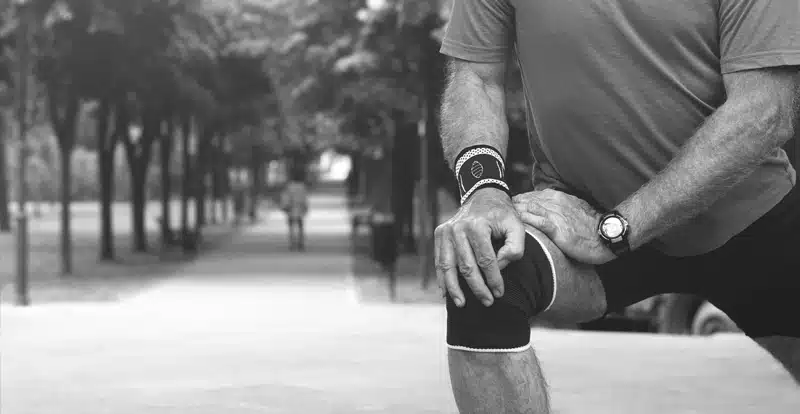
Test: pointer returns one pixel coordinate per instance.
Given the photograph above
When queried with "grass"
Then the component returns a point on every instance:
(93, 280)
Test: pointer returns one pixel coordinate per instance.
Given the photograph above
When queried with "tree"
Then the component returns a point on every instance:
(57, 37)
(6, 98)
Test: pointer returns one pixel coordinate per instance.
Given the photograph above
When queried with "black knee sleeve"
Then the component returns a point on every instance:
(505, 326)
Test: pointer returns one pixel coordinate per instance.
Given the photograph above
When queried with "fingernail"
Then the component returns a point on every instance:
(458, 301)
(487, 302)
(497, 293)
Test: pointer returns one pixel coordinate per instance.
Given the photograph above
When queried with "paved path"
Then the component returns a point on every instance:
(254, 329)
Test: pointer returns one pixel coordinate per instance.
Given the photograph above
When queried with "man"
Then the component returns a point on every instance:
(658, 169)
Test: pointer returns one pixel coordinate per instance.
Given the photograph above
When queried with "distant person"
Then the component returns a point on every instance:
(294, 202)
(385, 250)
(238, 204)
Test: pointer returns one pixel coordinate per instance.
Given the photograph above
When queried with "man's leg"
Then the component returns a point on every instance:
(290, 224)
(498, 382)
(786, 350)
(769, 317)
(487, 373)
(301, 234)
(754, 280)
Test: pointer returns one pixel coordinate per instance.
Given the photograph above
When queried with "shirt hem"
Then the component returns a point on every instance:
(760, 60)
(473, 53)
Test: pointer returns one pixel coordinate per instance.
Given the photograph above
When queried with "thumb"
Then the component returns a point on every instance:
(514, 246)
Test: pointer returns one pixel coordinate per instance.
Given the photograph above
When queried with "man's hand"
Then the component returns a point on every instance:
(571, 223)
(464, 246)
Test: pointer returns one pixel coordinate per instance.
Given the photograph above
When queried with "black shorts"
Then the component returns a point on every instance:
(754, 278)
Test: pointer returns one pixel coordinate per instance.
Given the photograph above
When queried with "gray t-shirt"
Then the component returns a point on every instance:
(616, 87)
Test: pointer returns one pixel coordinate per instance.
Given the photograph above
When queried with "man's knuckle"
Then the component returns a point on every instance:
(443, 266)
(485, 261)
(459, 226)
(480, 223)
(465, 270)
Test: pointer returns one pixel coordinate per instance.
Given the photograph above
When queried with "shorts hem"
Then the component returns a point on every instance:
(490, 350)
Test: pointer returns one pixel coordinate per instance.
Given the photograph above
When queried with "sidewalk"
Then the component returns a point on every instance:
(252, 328)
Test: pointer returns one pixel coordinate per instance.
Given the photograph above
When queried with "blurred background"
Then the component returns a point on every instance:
(144, 258)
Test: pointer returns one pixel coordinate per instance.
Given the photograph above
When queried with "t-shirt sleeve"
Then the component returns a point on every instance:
(479, 30)
(758, 34)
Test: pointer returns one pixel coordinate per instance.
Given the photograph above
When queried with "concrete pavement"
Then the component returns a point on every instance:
(252, 328)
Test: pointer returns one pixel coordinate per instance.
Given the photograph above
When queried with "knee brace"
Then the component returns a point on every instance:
(530, 289)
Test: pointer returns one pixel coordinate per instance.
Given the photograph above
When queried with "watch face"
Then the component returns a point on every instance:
(612, 227)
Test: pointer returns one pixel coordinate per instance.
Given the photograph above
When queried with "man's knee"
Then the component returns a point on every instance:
(786, 350)
(544, 283)
(578, 294)
(504, 326)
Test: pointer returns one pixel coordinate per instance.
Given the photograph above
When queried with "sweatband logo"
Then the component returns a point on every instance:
(477, 167)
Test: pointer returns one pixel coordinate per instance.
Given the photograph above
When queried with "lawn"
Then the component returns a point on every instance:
(93, 280)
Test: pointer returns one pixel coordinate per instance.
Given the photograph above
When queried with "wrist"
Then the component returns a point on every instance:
(613, 230)
(492, 192)
(480, 167)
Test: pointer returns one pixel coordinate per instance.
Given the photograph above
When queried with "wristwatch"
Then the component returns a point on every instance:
(613, 229)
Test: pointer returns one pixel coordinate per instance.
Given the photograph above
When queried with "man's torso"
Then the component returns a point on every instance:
(615, 88)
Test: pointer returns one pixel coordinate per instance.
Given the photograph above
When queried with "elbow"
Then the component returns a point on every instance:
(782, 117)
(785, 131)
(784, 125)
(776, 123)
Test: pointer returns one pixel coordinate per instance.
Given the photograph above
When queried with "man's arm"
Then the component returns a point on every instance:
(758, 117)
(474, 108)
(473, 112)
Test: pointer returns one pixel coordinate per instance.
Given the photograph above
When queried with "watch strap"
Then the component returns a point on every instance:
(621, 246)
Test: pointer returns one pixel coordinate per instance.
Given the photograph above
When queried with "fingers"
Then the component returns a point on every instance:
(446, 272)
(514, 246)
(530, 206)
(468, 267)
(480, 237)
(542, 223)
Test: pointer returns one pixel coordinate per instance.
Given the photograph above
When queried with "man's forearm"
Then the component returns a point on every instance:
(473, 109)
(722, 153)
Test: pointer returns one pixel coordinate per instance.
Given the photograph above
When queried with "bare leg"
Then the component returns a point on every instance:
(301, 234)
(513, 382)
(786, 350)
(292, 242)
(497, 383)
(580, 296)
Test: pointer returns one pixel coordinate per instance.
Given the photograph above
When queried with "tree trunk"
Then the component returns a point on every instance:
(66, 224)
(186, 131)
(403, 155)
(138, 155)
(211, 178)
(63, 117)
(5, 217)
(433, 82)
(201, 182)
(165, 155)
(255, 183)
(138, 205)
(105, 158)
(225, 180)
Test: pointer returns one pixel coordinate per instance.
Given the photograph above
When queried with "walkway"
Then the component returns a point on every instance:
(254, 329)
